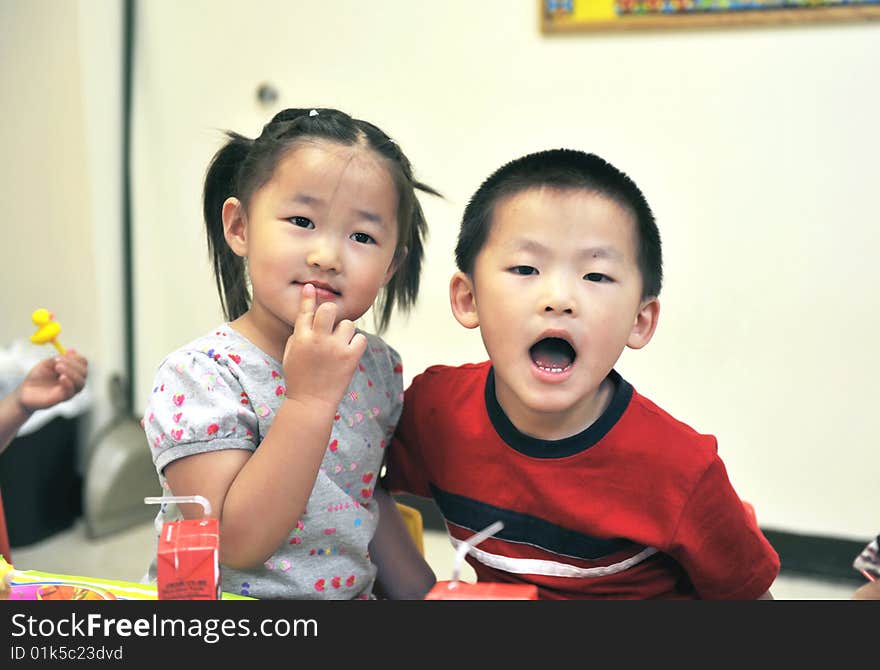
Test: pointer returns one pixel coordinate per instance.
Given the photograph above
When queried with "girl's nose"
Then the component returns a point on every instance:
(324, 255)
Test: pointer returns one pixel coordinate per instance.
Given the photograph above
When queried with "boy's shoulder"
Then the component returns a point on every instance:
(448, 381)
(453, 373)
(662, 428)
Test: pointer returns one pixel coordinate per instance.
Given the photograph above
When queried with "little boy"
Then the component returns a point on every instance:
(602, 493)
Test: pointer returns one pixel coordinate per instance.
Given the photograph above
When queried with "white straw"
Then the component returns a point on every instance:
(468, 544)
(199, 500)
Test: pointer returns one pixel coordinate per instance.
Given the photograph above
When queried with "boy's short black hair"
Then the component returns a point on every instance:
(563, 169)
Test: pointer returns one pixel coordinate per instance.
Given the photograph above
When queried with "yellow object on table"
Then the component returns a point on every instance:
(6, 572)
(37, 585)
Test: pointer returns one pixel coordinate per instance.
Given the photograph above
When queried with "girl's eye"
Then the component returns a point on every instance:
(362, 238)
(523, 270)
(301, 222)
(596, 276)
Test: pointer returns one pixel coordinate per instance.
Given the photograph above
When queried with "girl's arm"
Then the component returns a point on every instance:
(403, 573)
(259, 496)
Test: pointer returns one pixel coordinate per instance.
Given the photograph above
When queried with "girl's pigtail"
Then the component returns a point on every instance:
(403, 289)
(220, 183)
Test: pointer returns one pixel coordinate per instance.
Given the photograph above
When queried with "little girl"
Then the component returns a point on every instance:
(323, 208)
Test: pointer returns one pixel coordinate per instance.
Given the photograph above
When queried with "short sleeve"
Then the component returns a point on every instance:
(395, 387)
(197, 405)
(718, 543)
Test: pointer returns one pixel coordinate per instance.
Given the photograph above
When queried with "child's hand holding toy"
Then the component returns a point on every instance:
(47, 383)
(52, 380)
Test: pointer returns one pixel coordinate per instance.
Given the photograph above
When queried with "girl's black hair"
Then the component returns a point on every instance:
(243, 165)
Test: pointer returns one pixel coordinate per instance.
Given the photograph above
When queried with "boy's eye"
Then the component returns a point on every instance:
(363, 238)
(596, 276)
(523, 270)
(301, 221)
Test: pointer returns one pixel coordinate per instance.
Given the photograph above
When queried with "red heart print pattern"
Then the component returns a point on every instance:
(336, 582)
(319, 585)
(178, 399)
(235, 358)
(213, 428)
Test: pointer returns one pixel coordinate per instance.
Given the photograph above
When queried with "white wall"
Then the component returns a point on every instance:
(46, 255)
(59, 184)
(755, 147)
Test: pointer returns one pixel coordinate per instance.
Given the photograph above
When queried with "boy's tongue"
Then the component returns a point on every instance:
(552, 353)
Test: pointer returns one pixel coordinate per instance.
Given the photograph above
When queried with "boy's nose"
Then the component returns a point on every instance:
(324, 255)
(558, 299)
(562, 307)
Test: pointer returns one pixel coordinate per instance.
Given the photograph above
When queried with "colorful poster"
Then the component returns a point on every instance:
(577, 15)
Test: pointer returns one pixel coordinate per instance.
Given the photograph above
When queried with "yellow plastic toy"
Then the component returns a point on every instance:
(47, 329)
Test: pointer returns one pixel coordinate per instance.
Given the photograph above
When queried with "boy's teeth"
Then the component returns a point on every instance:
(541, 367)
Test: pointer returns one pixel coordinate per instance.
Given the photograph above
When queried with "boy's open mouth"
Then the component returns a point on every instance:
(552, 354)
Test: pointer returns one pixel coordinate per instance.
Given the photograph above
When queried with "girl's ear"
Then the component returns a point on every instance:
(463, 299)
(235, 226)
(644, 324)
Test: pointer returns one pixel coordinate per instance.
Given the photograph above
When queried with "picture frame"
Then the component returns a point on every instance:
(570, 16)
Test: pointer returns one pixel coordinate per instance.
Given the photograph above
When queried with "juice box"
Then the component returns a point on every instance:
(188, 555)
(188, 565)
(454, 589)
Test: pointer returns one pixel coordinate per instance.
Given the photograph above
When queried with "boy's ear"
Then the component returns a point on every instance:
(235, 226)
(463, 300)
(645, 324)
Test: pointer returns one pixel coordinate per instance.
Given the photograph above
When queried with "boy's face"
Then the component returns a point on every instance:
(556, 292)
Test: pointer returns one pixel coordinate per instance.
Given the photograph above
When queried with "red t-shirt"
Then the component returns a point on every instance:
(638, 505)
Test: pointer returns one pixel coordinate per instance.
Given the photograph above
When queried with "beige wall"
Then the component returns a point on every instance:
(47, 254)
(59, 185)
(756, 148)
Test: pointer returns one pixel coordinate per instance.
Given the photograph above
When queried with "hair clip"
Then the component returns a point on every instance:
(314, 112)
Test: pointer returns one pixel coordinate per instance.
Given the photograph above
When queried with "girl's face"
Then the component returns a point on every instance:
(328, 217)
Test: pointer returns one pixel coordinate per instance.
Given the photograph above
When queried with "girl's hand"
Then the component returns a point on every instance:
(320, 359)
(52, 380)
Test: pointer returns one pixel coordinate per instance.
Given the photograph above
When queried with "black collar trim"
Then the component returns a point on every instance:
(567, 446)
